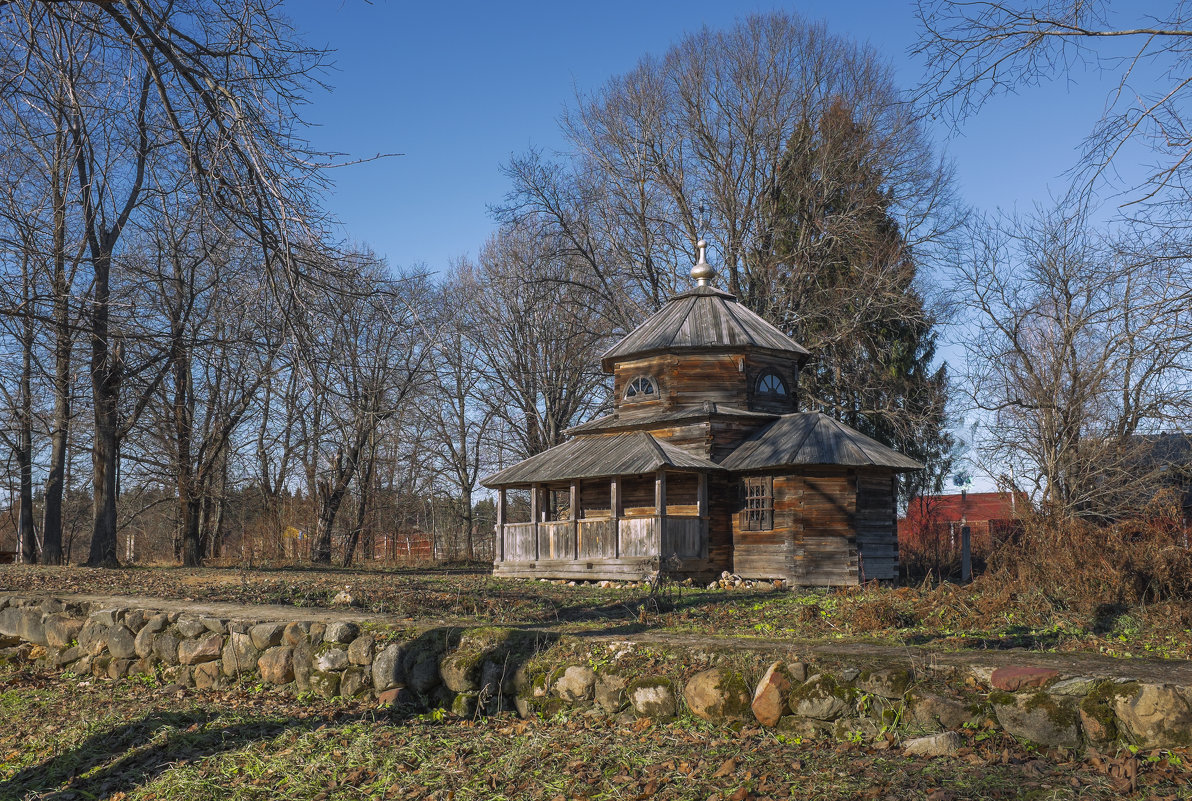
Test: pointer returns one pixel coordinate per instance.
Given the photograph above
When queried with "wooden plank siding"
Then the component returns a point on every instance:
(876, 521)
(687, 380)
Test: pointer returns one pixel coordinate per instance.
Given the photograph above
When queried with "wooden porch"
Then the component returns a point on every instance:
(585, 537)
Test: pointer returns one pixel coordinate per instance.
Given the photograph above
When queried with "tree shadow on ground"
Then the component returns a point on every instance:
(125, 757)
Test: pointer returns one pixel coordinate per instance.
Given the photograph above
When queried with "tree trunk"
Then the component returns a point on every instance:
(51, 527)
(105, 387)
(26, 533)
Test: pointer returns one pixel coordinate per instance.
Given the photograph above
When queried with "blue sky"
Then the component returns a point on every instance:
(459, 87)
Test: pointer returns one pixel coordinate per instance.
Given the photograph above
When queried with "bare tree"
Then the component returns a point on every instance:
(1079, 343)
(459, 413)
(985, 48)
(371, 360)
(541, 334)
(153, 90)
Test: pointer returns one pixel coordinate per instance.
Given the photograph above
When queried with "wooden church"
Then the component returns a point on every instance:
(705, 465)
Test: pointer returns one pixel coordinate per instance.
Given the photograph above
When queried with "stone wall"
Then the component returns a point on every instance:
(489, 670)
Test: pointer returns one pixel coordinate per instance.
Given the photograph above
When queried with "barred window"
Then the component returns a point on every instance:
(757, 503)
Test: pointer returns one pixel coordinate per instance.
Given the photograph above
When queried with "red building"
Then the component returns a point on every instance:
(933, 522)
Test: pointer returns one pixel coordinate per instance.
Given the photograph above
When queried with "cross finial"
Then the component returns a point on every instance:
(702, 272)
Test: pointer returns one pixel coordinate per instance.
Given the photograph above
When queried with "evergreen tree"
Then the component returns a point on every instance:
(839, 277)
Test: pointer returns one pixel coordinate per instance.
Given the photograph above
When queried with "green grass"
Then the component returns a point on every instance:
(67, 739)
(983, 615)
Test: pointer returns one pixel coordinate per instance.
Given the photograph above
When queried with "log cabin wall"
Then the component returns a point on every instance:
(695, 438)
(686, 380)
(757, 365)
(722, 500)
(828, 542)
(812, 540)
(876, 521)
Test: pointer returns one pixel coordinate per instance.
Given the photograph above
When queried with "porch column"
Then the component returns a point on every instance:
(534, 514)
(575, 519)
(500, 525)
(615, 516)
(660, 507)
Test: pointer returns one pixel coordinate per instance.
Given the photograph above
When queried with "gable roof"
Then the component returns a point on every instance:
(701, 318)
(630, 453)
(811, 438)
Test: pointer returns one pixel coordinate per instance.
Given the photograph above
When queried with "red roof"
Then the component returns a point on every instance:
(972, 507)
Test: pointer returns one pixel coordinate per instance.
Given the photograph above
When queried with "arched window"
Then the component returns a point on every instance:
(641, 388)
(771, 384)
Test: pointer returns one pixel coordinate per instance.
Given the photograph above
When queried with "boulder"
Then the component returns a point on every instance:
(295, 633)
(105, 617)
(165, 647)
(144, 642)
(277, 665)
(62, 630)
(266, 635)
(652, 697)
(396, 696)
(155, 624)
(121, 642)
(214, 625)
(92, 637)
(1156, 715)
(324, 683)
(1021, 677)
(135, 619)
(118, 668)
(460, 672)
(239, 654)
(387, 670)
(331, 659)
(892, 683)
(769, 699)
(819, 698)
(1039, 717)
(354, 682)
(303, 666)
(362, 650)
(609, 692)
(189, 628)
(933, 712)
(206, 675)
(934, 745)
(341, 631)
(193, 652)
(718, 695)
(576, 684)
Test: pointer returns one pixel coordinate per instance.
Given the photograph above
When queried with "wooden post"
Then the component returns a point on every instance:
(660, 507)
(615, 514)
(500, 525)
(966, 555)
(535, 503)
(702, 508)
(575, 519)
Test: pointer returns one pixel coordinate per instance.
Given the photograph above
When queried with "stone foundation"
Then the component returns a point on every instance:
(859, 694)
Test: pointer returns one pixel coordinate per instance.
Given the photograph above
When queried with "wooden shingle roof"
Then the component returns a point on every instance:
(811, 438)
(702, 318)
(624, 454)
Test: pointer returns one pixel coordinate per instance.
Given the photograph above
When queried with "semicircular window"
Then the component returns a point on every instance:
(641, 388)
(771, 384)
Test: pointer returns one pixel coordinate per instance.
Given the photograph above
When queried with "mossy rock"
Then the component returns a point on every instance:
(821, 697)
(653, 697)
(325, 684)
(1097, 719)
(719, 694)
(1042, 718)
